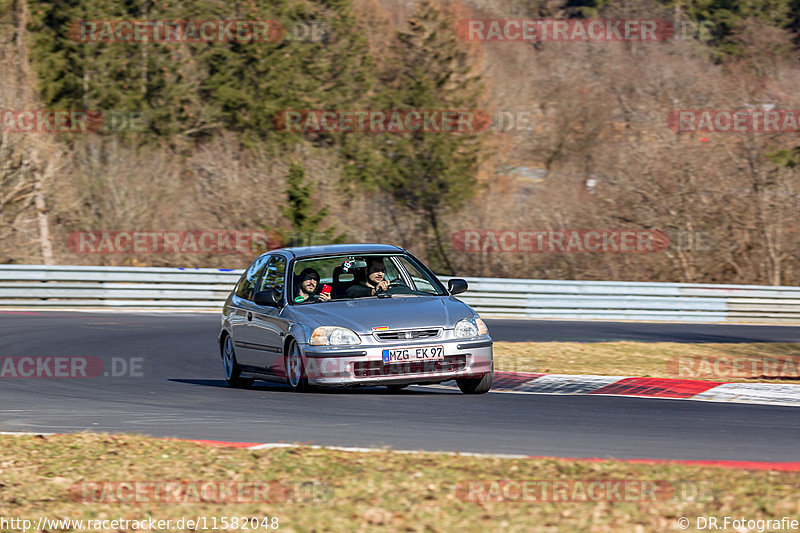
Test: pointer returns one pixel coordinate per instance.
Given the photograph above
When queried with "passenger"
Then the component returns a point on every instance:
(375, 282)
(306, 284)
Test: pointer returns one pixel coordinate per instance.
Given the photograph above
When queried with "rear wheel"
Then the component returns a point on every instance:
(232, 369)
(478, 385)
(295, 370)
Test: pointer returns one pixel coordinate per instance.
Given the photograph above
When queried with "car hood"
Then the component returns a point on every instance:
(363, 314)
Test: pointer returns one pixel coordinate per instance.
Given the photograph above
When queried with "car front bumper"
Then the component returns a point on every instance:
(363, 364)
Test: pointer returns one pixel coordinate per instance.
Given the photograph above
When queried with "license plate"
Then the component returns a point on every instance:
(410, 355)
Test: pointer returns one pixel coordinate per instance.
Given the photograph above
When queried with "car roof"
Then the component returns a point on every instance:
(337, 249)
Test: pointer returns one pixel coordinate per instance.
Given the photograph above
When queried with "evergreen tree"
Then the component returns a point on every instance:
(723, 18)
(306, 223)
(428, 173)
(794, 18)
(193, 89)
(131, 76)
(253, 83)
(727, 16)
(786, 158)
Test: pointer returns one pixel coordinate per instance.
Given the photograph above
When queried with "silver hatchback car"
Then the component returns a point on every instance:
(351, 314)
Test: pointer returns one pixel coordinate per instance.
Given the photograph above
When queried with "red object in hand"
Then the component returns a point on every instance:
(326, 289)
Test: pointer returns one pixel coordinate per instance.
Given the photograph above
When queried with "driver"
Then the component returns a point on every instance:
(306, 285)
(375, 282)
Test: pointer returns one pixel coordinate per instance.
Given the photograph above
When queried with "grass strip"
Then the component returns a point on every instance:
(373, 491)
(755, 362)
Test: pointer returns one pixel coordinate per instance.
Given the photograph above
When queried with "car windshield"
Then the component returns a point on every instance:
(322, 279)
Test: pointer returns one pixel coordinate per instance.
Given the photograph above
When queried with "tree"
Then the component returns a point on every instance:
(191, 90)
(427, 173)
(306, 222)
(728, 17)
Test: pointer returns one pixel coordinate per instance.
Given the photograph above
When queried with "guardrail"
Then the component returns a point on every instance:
(35, 286)
(614, 300)
(114, 287)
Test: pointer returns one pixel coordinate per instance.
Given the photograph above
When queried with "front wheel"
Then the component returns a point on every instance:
(295, 369)
(479, 385)
(233, 372)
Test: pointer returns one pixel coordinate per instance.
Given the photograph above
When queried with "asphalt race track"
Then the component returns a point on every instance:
(564, 331)
(179, 392)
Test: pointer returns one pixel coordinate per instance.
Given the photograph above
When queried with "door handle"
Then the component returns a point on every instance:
(249, 316)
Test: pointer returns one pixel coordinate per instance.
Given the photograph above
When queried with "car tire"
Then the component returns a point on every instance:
(479, 385)
(396, 388)
(233, 372)
(295, 369)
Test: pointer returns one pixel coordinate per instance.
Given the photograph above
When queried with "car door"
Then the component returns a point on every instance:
(242, 308)
(267, 330)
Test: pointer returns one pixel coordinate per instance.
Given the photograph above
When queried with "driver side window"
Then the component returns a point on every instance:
(392, 273)
(420, 281)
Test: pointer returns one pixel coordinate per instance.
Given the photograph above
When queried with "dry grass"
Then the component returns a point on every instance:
(371, 491)
(657, 359)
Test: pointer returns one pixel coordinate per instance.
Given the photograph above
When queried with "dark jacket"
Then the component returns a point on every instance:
(360, 289)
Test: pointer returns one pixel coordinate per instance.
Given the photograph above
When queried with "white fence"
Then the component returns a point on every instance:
(35, 286)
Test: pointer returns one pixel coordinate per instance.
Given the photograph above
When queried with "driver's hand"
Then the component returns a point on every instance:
(324, 296)
(383, 285)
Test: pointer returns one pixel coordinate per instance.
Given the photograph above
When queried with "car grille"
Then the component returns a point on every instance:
(373, 369)
(409, 334)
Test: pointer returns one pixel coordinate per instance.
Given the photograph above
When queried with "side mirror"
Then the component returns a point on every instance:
(270, 298)
(457, 286)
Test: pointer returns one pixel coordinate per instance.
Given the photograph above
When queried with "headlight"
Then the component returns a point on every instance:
(333, 336)
(470, 327)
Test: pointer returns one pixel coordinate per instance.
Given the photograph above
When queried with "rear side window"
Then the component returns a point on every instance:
(246, 286)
